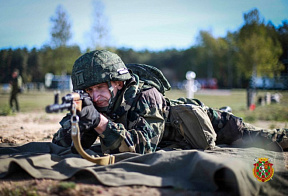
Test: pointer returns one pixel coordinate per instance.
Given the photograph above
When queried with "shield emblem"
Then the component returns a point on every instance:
(263, 170)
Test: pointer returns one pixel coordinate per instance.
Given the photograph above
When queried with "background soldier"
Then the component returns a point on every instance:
(129, 112)
(16, 84)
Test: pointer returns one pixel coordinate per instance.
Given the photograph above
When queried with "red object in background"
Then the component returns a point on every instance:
(252, 107)
(208, 83)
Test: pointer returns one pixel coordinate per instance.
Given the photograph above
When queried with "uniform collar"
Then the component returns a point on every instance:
(126, 98)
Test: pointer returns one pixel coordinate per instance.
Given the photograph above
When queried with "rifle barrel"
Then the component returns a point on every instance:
(58, 107)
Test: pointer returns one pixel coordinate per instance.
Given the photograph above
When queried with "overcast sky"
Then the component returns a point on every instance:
(139, 24)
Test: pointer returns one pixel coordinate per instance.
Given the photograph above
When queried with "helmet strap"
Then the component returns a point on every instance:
(110, 87)
(112, 99)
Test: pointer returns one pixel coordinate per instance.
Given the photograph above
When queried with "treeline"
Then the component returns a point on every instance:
(256, 49)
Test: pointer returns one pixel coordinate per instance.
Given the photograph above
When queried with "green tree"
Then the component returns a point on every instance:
(61, 29)
(207, 48)
(34, 66)
(283, 37)
(99, 33)
(221, 66)
(128, 55)
(59, 60)
(233, 77)
(259, 52)
(192, 61)
(19, 60)
(5, 65)
(215, 58)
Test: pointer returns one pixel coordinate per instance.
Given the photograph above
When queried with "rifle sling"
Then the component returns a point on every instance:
(75, 134)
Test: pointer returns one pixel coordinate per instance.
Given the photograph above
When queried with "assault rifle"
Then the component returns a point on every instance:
(73, 102)
(67, 101)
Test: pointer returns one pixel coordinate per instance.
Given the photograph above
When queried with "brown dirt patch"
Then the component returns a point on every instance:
(22, 128)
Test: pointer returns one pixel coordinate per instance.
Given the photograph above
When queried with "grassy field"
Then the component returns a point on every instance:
(29, 101)
(37, 101)
(237, 100)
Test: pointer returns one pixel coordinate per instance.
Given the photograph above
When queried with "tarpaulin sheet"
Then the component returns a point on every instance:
(229, 169)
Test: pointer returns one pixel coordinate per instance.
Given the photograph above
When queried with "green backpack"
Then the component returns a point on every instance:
(187, 116)
(151, 76)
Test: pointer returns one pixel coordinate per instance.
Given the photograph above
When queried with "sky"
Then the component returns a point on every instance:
(138, 24)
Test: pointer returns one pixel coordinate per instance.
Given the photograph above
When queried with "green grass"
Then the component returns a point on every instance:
(63, 186)
(237, 100)
(19, 191)
(32, 101)
(37, 101)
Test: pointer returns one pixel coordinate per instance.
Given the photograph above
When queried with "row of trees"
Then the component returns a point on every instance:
(256, 49)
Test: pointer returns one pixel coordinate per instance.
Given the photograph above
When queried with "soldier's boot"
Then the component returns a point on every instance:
(284, 144)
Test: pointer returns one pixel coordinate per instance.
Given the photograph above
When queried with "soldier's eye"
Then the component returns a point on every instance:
(88, 90)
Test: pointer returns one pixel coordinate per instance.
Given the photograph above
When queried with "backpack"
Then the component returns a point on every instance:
(187, 116)
(151, 76)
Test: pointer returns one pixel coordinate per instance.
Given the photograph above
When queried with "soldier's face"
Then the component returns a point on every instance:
(100, 93)
(14, 74)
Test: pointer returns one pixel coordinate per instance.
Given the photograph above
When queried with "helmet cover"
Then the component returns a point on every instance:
(99, 66)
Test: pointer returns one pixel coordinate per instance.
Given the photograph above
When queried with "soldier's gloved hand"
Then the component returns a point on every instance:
(89, 117)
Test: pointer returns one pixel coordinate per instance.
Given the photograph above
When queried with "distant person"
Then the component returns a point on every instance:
(16, 85)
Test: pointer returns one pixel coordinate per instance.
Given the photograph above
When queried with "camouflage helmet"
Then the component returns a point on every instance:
(97, 67)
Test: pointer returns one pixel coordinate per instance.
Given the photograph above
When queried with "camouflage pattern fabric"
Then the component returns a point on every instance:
(135, 126)
(107, 67)
(230, 128)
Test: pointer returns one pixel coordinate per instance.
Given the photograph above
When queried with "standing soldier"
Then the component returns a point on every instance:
(16, 85)
(129, 112)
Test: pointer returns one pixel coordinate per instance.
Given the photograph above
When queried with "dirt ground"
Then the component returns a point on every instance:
(22, 128)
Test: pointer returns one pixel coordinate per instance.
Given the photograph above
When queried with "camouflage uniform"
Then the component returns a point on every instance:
(230, 128)
(135, 126)
(139, 121)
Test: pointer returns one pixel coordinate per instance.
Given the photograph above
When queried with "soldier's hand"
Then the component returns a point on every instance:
(89, 117)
